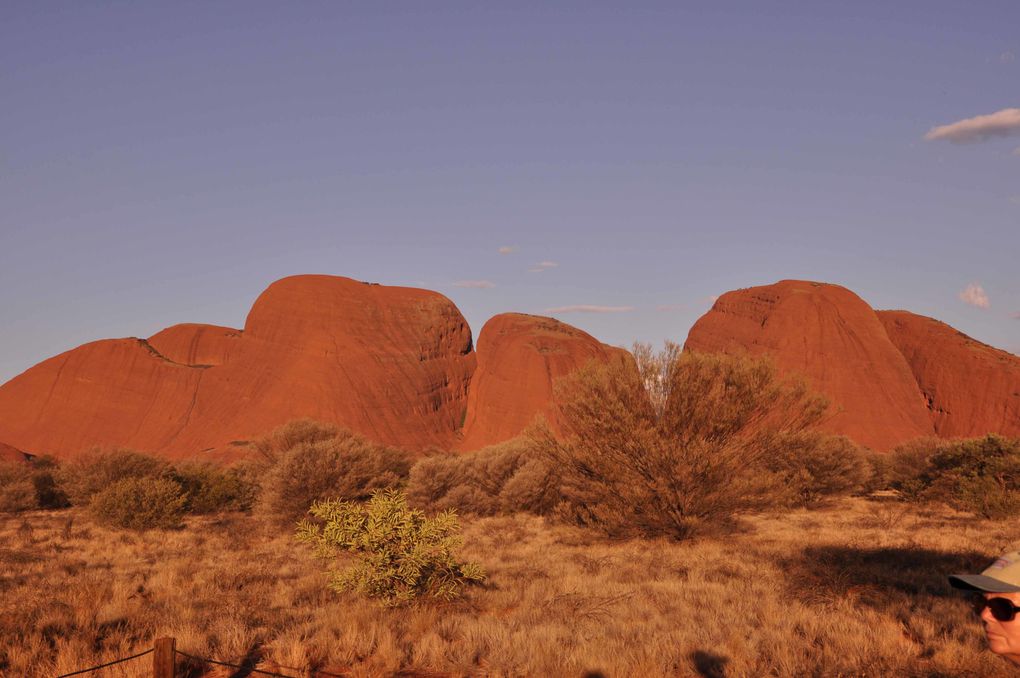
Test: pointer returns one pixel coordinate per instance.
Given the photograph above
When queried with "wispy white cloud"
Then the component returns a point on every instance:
(589, 308)
(979, 128)
(507, 249)
(974, 295)
(474, 284)
(543, 266)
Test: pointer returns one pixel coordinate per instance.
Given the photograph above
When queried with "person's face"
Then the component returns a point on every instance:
(1003, 637)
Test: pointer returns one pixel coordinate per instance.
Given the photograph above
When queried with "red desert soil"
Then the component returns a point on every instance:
(836, 340)
(391, 363)
(971, 388)
(519, 358)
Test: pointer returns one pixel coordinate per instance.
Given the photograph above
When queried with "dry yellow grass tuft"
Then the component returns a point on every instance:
(856, 589)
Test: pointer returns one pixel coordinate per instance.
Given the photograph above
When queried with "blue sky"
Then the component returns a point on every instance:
(163, 163)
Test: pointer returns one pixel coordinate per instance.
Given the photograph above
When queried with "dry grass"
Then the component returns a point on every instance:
(855, 590)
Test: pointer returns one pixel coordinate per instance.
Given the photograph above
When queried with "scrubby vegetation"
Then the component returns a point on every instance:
(304, 462)
(140, 504)
(627, 470)
(854, 589)
(980, 475)
(28, 485)
(505, 478)
(401, 554)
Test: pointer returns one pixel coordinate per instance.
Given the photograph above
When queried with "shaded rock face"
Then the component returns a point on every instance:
(9, 453)
(520, 357)
(970, 388)
(390, 363)
(834, 339)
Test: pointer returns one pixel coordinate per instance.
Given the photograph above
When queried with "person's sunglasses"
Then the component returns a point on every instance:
(1001, 608)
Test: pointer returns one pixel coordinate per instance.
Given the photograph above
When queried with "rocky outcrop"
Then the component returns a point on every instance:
(970, 388)
(832, 337)
(520, 357)
(9, 453)
(390, 363)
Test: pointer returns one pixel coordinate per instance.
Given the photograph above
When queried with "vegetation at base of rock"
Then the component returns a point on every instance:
(980, 475)
(140, 504)
(499, 479)
(304, 462)
(628, 471)
(95, 470)
(30, 485)
(210, 488)
(810, 467)
(401, 554)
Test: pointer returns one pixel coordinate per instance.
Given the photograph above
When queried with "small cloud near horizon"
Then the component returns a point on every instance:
(975, 295)
(474, 284)
(979, 128)
(589, 308)
(542, 266)
(507, 249)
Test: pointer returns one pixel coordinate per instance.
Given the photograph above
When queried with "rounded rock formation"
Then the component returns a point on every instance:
(520, 357)
(832, 337)
(390, 363)
(970, 388)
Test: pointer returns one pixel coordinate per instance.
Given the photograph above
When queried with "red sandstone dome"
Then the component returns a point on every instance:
(520, 357)
(971, 388)
(391, 363)
(831, 336)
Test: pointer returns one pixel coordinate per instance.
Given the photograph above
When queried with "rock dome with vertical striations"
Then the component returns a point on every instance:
(520, 357)
(390, 363)
(970, 388)
(832, 337)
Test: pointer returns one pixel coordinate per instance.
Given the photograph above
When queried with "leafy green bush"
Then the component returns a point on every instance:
(343, 465)
(503, 478)
(140, 504)
(401, 554)
(96, 470)
(980, 475)
(627, 469)
(811, 466)
(210, 488)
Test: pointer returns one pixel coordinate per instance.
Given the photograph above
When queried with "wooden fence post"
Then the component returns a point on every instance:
(163, 658)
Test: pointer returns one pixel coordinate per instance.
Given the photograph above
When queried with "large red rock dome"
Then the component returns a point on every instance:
(832, 337)
(391, 363)
(520, 357)
(971, 388)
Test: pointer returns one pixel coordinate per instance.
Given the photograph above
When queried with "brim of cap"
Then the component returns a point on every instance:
(980, 582)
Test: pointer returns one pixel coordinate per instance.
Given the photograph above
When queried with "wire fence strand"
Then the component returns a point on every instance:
(234, 666)
(103, 666)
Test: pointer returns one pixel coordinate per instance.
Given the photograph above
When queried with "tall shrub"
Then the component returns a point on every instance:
(628, 470)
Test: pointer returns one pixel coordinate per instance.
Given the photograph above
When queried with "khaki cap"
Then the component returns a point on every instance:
(1002, 576)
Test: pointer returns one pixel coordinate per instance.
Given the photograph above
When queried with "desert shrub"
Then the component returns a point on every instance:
(980, 475)
(210, 488)
(654, 368)
(503, 478)
(401, 554)
(17, 492)
(343, 466)
(30, 485)
(140, 503)
(900, 469)
(627, 470)
(96, 470)
(290, 435)
(811, 466)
